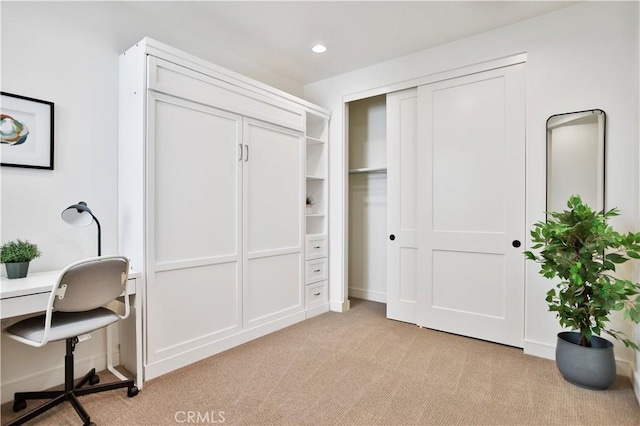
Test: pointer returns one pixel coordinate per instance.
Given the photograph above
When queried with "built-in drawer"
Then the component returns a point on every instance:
(316, 270)
(316, 294)
(316, 246)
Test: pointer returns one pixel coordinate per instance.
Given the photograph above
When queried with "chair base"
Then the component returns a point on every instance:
(70, 393)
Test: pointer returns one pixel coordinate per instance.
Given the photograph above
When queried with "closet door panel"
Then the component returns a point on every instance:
(193, 225)
(402, 251)
(468, 161)
(273, 228)
(471, 205)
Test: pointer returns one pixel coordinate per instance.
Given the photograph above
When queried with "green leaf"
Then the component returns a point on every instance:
(633, 254)
(616, 258)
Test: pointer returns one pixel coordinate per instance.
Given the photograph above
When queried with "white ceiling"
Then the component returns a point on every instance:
(279, 35)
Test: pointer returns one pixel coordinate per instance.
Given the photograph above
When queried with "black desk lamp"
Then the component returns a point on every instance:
(80, 215)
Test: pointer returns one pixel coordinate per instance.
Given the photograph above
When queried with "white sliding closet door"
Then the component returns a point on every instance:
(273, 228)
(402, 242)
(193, 225)
(471, 204)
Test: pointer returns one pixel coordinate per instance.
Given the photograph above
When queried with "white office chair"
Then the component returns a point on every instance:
(76, 307)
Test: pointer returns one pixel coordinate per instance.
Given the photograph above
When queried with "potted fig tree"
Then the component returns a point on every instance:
(579, 248)
(16, 256)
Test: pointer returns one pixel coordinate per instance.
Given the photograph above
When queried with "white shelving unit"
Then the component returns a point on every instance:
(316, 136)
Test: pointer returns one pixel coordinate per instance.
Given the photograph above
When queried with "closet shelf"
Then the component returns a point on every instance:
(314, 177)
(316, 215)
(368, 170)
(314, 141)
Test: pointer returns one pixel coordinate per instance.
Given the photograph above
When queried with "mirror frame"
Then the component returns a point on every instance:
(602, 131)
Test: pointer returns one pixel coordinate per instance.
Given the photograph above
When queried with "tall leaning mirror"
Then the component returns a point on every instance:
(575, 158)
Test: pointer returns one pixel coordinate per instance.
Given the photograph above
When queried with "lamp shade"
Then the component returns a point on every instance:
(78, 215)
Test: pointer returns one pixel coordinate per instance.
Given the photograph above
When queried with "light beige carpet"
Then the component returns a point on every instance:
(359, 368)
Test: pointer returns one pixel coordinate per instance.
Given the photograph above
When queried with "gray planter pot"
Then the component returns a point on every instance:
(17, 270)
(591, 368)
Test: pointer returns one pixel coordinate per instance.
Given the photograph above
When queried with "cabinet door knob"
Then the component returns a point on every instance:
(392, 237)
(317, 294)
(516, 243)
(316, 247)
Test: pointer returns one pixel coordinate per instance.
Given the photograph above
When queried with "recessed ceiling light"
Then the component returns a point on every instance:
(319, 48)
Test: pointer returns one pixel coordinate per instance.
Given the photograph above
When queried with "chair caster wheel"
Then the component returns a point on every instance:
(132, 391)
(19, 405)
(94, 380)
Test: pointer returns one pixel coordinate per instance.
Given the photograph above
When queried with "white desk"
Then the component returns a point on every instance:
(30, 295)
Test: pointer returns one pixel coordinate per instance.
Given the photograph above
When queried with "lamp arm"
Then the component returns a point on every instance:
(99, 234)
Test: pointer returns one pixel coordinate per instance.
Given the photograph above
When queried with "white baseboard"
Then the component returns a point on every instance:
(374, 296)
(539, 349)
(545, 350)
(623, 368)
(187, 357)
(49, 378)
(317, 310)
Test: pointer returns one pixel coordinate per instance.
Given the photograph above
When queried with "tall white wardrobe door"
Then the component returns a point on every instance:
(193, 218)
(471, 205)
(273, 227)
(402, 250)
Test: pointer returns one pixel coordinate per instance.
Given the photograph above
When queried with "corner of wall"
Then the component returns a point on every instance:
(636, 384)
(635, 369)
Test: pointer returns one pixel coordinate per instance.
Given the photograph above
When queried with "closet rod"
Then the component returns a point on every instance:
(368, 170)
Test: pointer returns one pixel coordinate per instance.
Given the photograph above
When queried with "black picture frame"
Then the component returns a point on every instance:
(32, 146)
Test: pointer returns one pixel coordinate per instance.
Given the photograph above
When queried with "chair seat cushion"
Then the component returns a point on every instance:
(64, 325)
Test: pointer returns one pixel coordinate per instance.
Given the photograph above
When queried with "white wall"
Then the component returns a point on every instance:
(636, 99)
(67, 53)
(581, 57)
(368, 236)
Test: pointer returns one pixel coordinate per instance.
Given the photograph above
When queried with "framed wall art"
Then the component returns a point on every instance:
(26, 132)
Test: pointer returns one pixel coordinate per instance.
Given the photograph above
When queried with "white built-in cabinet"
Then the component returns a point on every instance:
(214, 169)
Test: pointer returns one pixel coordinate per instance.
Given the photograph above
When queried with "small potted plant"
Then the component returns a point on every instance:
(582, 250)
(16, 256)
(310, 204)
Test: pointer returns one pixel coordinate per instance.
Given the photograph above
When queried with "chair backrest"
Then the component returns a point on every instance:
(91, 283)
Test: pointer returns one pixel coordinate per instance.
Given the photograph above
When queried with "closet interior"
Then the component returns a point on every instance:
(367, 249)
